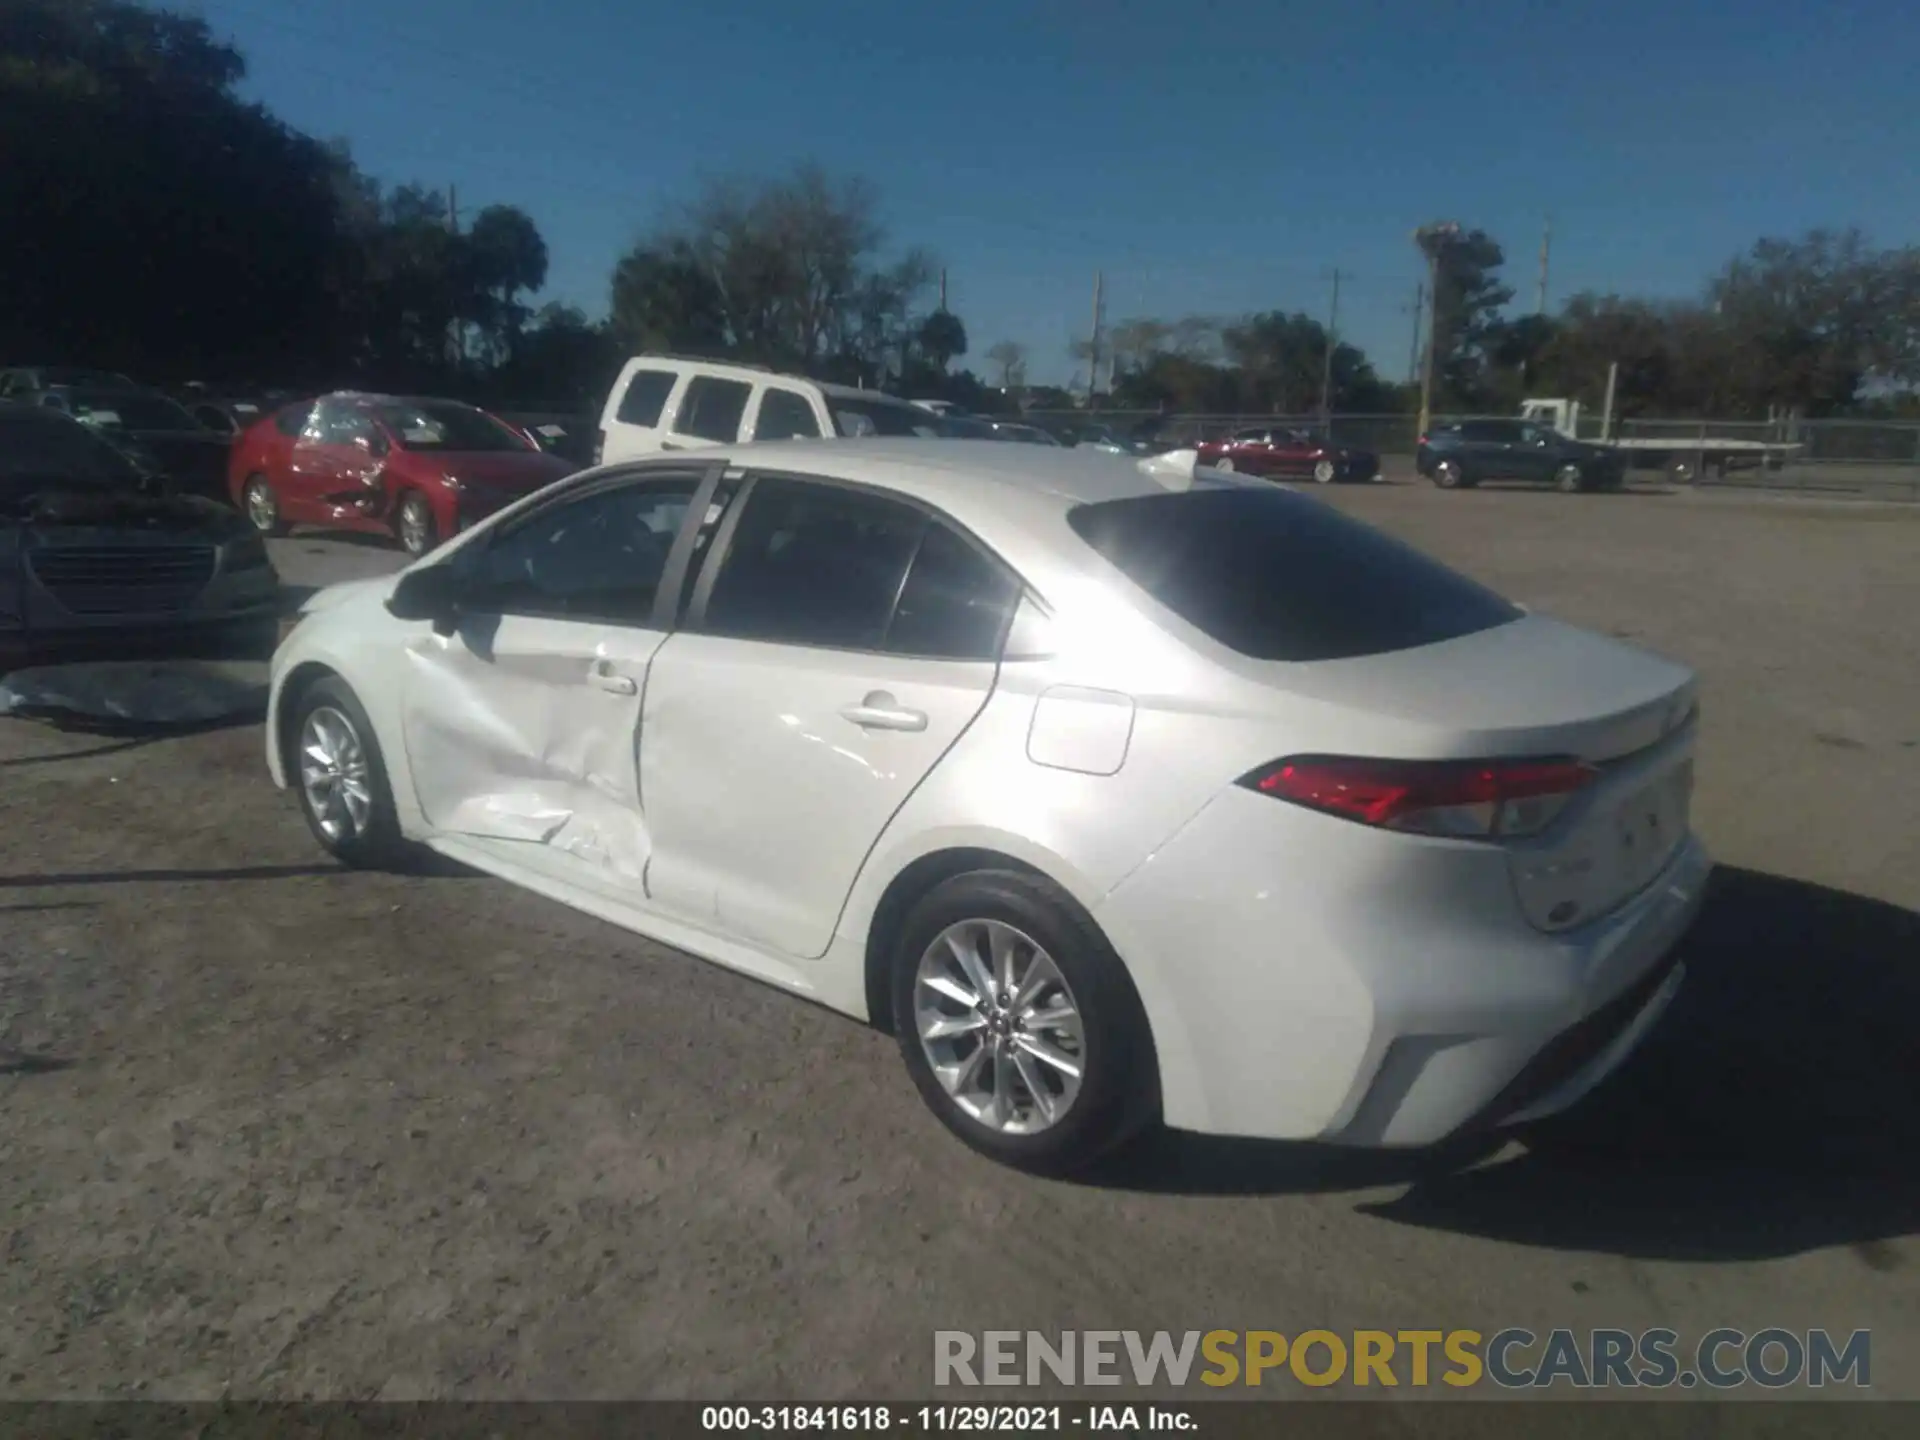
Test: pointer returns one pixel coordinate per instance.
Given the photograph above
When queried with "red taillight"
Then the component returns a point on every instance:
(1477, 798)
(1421, 441)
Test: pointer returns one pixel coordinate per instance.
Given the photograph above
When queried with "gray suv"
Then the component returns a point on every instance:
(1459, 456)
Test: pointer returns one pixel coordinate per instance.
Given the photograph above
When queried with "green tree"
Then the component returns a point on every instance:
(942, 339)
(153, 220)
(1467, 298)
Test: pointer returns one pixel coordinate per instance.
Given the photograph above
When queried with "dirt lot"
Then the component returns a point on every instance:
(268, 1128)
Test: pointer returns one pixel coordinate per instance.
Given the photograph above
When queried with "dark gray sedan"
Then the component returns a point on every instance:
(92, 561)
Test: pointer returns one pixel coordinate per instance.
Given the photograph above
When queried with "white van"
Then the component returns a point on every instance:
(666, 402)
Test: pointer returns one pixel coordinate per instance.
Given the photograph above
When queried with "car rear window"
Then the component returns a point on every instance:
(1278, 576)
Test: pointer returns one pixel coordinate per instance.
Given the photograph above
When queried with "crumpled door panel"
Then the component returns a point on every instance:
(509, 736)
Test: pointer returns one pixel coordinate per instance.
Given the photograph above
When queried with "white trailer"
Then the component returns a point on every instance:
(1683, 456)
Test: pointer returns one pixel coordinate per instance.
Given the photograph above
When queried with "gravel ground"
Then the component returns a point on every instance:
(272, 1129)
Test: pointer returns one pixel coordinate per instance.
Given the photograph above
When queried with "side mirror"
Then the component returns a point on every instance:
(433, 592)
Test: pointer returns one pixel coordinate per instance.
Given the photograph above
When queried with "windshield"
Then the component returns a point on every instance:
(39, 449)
(128, 410)
(881, 417)
(444, 426)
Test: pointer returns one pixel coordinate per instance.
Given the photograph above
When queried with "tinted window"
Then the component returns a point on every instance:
(955, 603)
(1281, 577)
(37, 447)
(785, 415)
(814, 565)
(712, 408)
(128, 410)
(599, 557)
(881, 417)
(646, 397)
(445, 426)
(293, 419)
(1498, 432)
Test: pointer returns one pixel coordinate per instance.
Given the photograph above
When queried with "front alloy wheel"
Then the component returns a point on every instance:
(1324, 471)
(1570, 479)
(999, 1026)
(335, 765)
(417, 530)
(262, 506)
(1447, 475)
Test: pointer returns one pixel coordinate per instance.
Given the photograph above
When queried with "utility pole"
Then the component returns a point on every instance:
(1326, 363)
(456, 342)
(1093, 347)
(1426, 355)
(943, 290)
(1546, 244)
(1419, 313)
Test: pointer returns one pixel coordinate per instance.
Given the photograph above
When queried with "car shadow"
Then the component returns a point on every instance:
(1772, 1112)
(169, 877)
(124, 735)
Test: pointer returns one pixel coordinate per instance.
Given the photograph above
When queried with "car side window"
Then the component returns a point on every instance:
(956, 602)
(785, 415)
(293, 419)
(646, 397)
(813, 564)
(599, 557)
(712, 409)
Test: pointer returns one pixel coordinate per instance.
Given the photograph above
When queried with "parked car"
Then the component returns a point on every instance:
(1284, 452)
(419, 469)
(662, 402)
(21, 382)
(93, 558)
(1097, 436)
(1459, 456)
(1178, 793)
(968, 427)
(227, 416)
(156, 430)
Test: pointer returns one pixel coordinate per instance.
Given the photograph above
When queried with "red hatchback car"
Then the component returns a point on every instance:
(417, 469)
(1281, 451)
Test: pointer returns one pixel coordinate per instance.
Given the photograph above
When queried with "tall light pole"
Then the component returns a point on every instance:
(1326, 362)
(1431, 239)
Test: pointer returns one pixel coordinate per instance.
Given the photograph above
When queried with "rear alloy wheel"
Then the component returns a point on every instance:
(418, 532)
(1225, 462)
(341, 779)
(1324, 471)
(1447, 475)
(1569, 480)
(1019, 1025)
(262, 506)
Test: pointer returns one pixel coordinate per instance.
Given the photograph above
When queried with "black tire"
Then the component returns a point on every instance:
(377, 844)
(414, 525)
(1449, 476)
(1119, 1083)
(261, 506)
(1569, 480)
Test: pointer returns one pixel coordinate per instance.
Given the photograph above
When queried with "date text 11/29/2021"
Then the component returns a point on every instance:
(944, 1419)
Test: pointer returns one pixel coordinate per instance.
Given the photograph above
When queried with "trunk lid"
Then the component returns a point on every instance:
(1534, 687)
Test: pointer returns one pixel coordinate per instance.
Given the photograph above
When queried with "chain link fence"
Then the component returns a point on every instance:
(1876, 458)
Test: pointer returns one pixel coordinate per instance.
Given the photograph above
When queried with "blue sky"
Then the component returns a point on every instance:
(1210, 158)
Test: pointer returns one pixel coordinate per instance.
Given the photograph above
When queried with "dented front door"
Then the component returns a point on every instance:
(524, 728)
(522, 723)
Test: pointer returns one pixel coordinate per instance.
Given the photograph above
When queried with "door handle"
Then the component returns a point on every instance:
(601, 677)
(880, 711)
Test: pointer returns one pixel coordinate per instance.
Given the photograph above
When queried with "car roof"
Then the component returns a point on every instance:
(961, 475)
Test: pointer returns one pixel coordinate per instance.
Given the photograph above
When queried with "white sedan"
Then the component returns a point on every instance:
(1120, 790)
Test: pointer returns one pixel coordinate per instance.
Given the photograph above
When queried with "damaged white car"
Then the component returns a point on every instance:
(1117, 788)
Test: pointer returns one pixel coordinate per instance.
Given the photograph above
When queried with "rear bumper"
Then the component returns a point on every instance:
(1308, 979)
